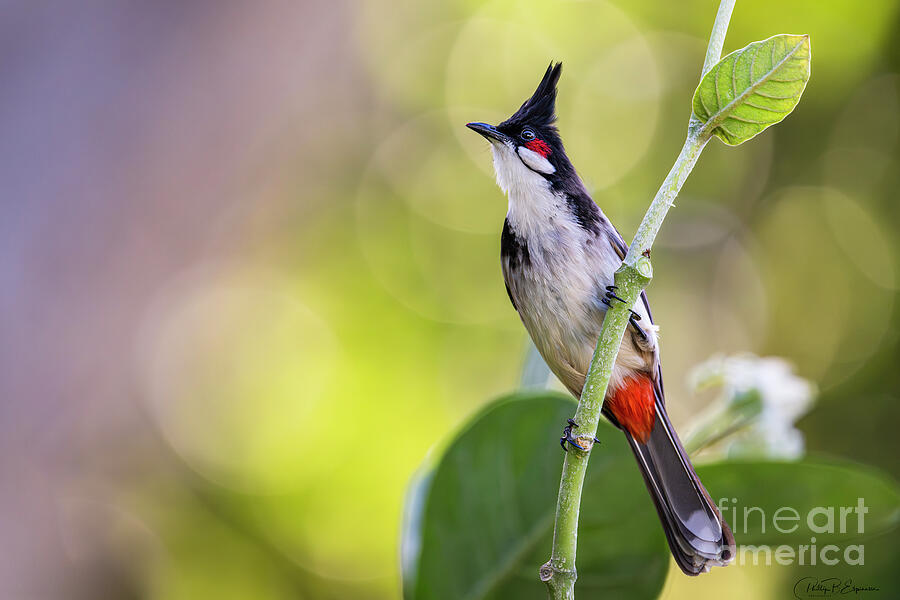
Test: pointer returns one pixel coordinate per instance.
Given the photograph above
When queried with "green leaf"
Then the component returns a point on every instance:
(753, 88)
(479, 523)
(413, 513)
(486, 517)
(802, 486)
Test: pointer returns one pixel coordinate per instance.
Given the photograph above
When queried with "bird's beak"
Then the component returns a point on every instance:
(491, 133)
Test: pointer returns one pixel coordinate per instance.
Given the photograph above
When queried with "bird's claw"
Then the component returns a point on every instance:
(611, 295)
(567, 436)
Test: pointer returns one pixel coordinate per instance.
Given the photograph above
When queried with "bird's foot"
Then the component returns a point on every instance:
(611, 295)
(568, 437)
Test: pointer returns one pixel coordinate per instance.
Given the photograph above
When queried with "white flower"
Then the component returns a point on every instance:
(760, 401)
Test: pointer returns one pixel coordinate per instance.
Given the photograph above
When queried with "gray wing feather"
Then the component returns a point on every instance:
(621, 247)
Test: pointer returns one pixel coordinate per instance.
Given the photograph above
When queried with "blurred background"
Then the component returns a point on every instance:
(249, 263)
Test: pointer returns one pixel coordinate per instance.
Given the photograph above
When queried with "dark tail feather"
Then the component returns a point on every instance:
(697, 534)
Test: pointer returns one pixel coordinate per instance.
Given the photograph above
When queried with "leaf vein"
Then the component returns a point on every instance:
(726, 130)
(716, 81)
(775, 97)
(751, 121)
(734, 73)
(757, 106)
(752, 64)
(721, 114)
(703, 105)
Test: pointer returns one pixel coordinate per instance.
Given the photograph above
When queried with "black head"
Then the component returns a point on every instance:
(532, 128)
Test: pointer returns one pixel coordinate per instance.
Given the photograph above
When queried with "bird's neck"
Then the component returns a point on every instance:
(541, 213)
(534, 211)
(548, 217)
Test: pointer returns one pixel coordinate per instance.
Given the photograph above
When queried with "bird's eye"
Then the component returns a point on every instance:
(527, 134)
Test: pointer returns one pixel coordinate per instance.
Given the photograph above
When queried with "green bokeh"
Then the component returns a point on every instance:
(296, 381)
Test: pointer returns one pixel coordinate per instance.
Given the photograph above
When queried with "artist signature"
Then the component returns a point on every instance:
(813, 587)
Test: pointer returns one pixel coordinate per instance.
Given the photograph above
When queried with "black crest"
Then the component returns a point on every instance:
(540, 109)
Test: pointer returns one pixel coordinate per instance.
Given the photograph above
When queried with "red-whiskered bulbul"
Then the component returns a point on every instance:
(559, 252)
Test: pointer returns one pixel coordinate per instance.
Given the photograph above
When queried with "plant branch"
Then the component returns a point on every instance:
(717, 37)
(698, 444)
(559, 572)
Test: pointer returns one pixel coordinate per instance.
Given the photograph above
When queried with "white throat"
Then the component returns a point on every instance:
(534, 209)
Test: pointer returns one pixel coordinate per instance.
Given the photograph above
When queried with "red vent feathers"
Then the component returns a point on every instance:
(634, 407)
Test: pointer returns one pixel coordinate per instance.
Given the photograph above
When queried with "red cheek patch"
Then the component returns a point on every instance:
(539, 146)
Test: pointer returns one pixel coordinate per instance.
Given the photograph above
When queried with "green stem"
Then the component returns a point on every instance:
(700, 442)
(559, 572)
(717, 37)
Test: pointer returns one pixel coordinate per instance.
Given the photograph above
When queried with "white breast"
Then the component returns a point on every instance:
(558, 293)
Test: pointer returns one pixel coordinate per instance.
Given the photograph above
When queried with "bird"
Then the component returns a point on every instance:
(558, 253)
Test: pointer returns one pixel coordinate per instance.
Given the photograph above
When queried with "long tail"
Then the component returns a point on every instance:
(698, 536)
